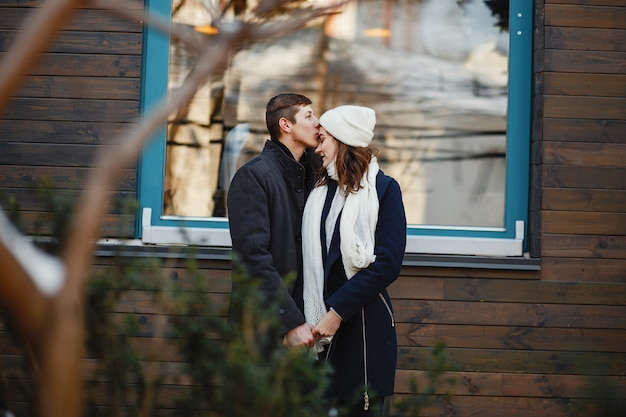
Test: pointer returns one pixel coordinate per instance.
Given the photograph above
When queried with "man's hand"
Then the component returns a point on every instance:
(301, 336)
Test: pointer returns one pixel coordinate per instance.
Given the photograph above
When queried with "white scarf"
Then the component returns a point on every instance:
(357, 228)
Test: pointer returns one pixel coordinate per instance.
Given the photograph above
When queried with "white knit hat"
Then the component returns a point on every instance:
(352, 125)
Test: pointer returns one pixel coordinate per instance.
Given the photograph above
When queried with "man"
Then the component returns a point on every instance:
(265, 206)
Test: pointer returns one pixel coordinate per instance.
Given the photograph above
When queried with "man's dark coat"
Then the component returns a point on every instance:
(265, 204)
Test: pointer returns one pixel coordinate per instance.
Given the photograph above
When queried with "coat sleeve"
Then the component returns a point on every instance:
(250, 228)
(389, 249)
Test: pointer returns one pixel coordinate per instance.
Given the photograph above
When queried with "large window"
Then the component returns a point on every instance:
(449, 80)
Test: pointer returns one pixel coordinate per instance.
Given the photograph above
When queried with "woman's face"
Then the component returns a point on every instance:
(326, 147)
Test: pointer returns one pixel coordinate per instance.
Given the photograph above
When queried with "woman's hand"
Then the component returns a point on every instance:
(327, 326)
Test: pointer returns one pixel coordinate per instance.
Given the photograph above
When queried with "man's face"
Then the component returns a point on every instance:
(307, 127)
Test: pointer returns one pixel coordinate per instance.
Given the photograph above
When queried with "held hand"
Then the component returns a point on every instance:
(327, 326)
(300, 336)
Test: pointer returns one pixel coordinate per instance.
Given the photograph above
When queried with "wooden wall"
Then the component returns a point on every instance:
(83, 92)
(523, 342)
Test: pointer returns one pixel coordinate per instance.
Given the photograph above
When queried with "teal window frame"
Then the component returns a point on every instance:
(153, 227)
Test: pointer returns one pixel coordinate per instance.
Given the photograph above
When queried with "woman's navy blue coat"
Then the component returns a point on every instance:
(365, 295)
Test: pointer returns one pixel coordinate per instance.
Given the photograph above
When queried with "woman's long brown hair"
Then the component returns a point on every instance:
(351, 164)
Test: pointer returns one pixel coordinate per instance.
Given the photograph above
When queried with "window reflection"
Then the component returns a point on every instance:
(435, 71)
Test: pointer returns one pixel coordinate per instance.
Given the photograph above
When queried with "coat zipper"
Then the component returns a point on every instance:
(393, 322)
(366, 397)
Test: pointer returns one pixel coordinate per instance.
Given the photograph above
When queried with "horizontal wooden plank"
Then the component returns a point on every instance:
(129, 4)
(85, 42)
(43, 154)
(180, 279)
(581, 246)
(601, 108)
(63, 132)
(91, 65)
(407, 287)
(119, 226)
(504, 337)
(589, 2)
(142, 302)
(499, 290)
(578, 84)
(585, 39)
(487, 406)
(594, 62)
(33, 200)
(571, 176)
(584, 130)
(584, 153)
(73, 110)
(80, 87)
(510, 314)
(522, 361)
(83, 20)
(511, 384)
(583, 223)
(584, 16)
(60, 177)
(571, 199)
(536, 291)
(583, 269)
(424, 272)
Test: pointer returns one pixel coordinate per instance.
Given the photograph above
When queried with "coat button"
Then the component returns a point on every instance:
(282, 311)
(298, 189)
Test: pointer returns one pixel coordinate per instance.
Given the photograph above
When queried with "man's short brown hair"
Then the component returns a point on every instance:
(283, 105)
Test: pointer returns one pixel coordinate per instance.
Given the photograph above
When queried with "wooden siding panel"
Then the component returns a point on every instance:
(539, 292)
(84, 20)
(584, 223)
(60, 177)
(508, 384)
(583, 246)
(99, 88)
(572, 176)
(584, 153)
(583, 16)
(589, 2)
(576, 84)
(130, 4)
(584, 200)
(584, 130)
(595, 62)
(498, 290)
(62, 132)
(505, 337)
(30, 200)
(585, 39)
(427, 288)
(73, 110)
(584, 269)
(578, 107)
(92, 65)
(450, 272)
(84, 42)
(118, 226)
(520, 361)
(40, 154)
(485, 313)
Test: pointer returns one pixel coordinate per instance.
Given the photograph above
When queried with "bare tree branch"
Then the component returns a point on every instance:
(53, 320)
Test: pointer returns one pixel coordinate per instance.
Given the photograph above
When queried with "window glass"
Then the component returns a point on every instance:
(434, 71)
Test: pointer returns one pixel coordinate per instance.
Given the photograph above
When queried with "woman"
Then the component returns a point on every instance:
(354, 236)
